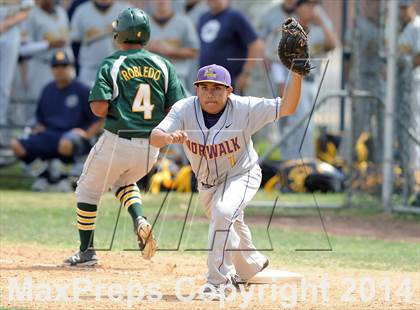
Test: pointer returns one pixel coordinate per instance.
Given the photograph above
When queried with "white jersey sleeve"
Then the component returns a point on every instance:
(409, 38)
(417, 35)
(174, 120)
(262, 111)
(28, 28)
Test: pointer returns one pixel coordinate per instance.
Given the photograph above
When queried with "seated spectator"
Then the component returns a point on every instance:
(65, 123)
(11, 18)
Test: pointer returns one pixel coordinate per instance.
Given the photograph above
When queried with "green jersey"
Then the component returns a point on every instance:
(140, 87)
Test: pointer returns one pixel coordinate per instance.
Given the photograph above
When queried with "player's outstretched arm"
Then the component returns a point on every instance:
(159, 138)
(291, 97)
(99, 108)
(13, 20)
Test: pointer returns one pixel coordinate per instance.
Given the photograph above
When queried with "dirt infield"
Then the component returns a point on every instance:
(380, 226)
(121, 276)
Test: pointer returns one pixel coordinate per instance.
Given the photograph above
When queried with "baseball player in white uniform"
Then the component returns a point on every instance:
(91, 25)
(48, 27)
(409, 46)
(12, 14)
(215, 129)
(175, 38)
(321, 39)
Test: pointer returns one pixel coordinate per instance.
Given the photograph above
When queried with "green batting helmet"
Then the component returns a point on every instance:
(132, 26)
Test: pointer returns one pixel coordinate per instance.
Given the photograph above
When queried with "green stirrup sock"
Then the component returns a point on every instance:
(86, 218)
(130, 198)
(135, 210)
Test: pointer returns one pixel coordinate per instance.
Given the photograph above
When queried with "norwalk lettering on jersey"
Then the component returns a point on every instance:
(140, 72)
(214, 150)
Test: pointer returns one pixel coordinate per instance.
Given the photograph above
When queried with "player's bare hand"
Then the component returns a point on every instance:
(38, 128)
(177, 137)
(160, 47)
(3, 27)
(13, 20)
(167, 49)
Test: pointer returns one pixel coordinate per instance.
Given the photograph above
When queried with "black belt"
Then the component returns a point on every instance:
(129, 138)
(125, 135)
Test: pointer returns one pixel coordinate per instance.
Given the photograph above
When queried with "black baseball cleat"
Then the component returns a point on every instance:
(211, 292)
(216, 292)
(265, 265)
(86, 258)
(236, 280)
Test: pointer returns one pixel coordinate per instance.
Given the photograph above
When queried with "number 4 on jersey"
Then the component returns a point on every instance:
(142, 102)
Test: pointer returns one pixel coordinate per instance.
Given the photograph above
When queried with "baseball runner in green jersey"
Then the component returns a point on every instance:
(133, 91)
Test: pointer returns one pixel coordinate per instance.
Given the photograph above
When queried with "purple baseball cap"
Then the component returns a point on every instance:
(213, 74)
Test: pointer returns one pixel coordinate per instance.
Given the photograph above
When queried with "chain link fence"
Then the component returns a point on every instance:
(360, 153)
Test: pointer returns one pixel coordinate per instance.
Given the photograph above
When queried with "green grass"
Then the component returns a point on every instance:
(11, 177)
(48, 219)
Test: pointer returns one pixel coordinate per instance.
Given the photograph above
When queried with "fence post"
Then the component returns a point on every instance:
(389, 106)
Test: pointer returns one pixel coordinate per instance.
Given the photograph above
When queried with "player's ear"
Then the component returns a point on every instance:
(229, 90)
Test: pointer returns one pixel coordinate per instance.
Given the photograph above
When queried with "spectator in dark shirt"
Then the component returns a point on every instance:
(65, 123)
(228, 39)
